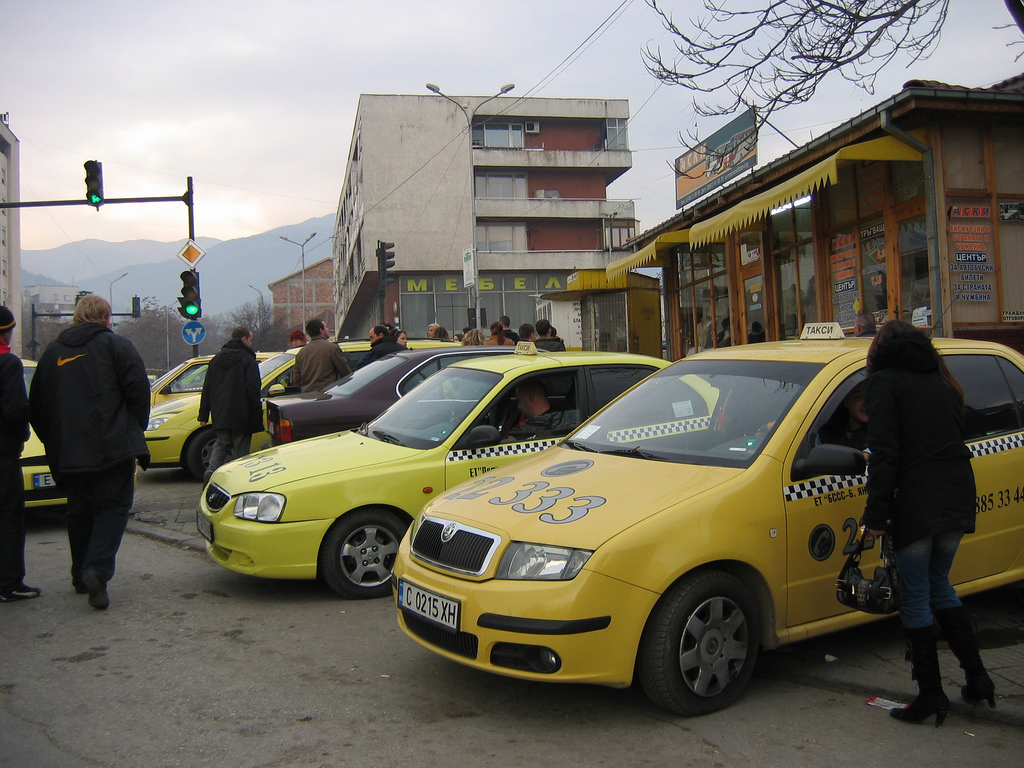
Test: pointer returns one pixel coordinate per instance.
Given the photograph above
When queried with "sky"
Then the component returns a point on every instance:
(256, 100)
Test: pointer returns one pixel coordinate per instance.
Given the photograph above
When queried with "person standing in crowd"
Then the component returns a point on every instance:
(509, 333)
(474, 337)
(864, 324)
(231, 399)
(13, 434)
(89, 404)
(527, 332)
(321, 362)
(498, 336)
(381, 343)
(548, 337)
(297, 338)
(402, 338)
(921, 492)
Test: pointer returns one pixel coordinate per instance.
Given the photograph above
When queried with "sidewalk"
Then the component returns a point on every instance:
(867, 659)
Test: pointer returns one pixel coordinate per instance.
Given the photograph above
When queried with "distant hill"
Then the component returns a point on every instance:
(225, 272)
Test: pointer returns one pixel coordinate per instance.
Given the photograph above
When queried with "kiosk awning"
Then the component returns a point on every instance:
(745, 212)
(650, 252)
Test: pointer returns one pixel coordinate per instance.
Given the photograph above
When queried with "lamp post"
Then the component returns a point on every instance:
(302, 245)
(110, 289)
(260, 310)
(469, 114)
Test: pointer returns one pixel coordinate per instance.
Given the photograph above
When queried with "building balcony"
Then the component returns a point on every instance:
(547, 205)
(613, 162)
(545, 260)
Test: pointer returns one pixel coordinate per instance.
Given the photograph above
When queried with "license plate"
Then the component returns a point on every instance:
(430, 605)
(43, 480)
(205, 527)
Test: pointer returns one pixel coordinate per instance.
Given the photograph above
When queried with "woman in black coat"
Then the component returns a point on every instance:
(921, 492)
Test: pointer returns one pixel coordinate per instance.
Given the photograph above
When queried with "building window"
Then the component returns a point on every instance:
(615, 136)
(703, 298)
(501, 238)
(498, 135)
(793, 258)
(501, 185)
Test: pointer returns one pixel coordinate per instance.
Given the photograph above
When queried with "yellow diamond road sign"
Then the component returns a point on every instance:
(191, 253)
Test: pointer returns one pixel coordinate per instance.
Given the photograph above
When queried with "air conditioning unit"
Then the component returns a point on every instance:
(532, 126)
(540, 193)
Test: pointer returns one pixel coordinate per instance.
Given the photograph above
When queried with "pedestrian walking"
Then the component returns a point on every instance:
(231, 400)
(321, 362)
(921, 491)
(89, 404)
(13, 434)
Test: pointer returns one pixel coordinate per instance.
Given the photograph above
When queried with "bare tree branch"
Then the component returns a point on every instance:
(778, 52)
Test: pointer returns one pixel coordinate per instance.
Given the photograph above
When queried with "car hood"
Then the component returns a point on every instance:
(277, 468)
(603, 495)
(175, 405)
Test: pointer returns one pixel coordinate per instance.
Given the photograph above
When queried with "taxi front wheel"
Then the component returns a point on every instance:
(358, 553)
(700, 644)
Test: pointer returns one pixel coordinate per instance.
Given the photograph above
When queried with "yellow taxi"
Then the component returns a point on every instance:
(690, 523)
(335, 507)
(173, 434)
(40, 490)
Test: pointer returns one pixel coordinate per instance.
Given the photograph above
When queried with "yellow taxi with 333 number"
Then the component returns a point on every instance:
(335, 507)
(692, 522)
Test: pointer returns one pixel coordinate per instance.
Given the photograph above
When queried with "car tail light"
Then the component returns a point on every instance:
(282, 430)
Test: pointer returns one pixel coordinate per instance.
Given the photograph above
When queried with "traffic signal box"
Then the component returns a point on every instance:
(94, 183)
(385, 262)
(189, 304)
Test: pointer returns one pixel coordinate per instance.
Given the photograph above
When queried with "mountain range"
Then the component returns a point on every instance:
(229, 273)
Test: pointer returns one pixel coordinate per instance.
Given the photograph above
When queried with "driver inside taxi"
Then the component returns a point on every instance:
(849, 424)
(537, 419)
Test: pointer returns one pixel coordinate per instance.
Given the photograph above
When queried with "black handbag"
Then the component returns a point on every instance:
(880, 594)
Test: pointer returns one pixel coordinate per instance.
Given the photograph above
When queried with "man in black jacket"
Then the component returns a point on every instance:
(89, 405)
(13, 434)
(231, 394)
(382, 342)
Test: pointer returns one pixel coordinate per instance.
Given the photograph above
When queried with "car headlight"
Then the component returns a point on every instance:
(264, 507)
(541, 562)
(155, 422)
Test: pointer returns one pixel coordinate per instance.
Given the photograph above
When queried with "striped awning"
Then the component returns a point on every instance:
(650, 252)
(752, 209)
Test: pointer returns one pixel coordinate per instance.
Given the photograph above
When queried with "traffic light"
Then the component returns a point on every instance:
(189, 303)
(385, 262)
(94, 183)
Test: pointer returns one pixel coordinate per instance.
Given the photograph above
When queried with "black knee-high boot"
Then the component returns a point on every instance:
(924, 660)
(956, 626)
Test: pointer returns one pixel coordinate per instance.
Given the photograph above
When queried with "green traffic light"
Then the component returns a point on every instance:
(192, 309)
(95, 199)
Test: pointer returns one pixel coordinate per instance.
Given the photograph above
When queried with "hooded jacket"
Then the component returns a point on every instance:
(231, 391)
(89, 401)
(13, 405)
(920, 480)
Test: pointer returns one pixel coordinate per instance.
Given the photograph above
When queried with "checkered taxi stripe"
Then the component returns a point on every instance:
(502, 449)
(821, 485)
(658, 430)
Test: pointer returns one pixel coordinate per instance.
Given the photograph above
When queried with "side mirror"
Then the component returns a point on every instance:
(481, 436)
(830, 460)
(276, 389)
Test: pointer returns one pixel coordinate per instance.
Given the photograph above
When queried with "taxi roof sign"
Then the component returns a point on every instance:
(822, 331)
(526, 348)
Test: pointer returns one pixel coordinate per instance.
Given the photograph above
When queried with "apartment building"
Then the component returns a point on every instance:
(530, 175)
(10, 228)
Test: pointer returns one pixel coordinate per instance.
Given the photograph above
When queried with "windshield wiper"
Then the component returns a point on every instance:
(636, 453)
(576, 445)
(386, 437)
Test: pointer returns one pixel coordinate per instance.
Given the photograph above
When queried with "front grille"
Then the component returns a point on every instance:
(467, 550)
(461, 643)
(215, 498)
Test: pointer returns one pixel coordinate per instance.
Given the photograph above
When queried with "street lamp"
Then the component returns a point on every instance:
(110, 289)
(301, 245)
(260, 311)
(469, 114)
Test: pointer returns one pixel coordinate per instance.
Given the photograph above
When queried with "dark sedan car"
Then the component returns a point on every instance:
(363, 395)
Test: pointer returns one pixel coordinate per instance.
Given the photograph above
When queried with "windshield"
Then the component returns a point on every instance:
(714, 412)
(360, 378)
(267, 367)
(434, 410)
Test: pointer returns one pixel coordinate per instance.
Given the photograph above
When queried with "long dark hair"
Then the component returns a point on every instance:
(898, 344)
(498, 330)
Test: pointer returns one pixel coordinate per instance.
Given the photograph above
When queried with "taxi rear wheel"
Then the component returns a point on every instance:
(700, 644)
(357, 557)
(197, 454)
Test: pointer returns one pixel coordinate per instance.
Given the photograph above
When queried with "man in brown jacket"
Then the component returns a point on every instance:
(320, 363)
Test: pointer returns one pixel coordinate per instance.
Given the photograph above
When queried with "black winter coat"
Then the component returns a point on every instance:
(231, 391)
(920, 481)
(89, 402)
(13, 405)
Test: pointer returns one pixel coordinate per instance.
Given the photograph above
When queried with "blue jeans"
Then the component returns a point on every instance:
(924, 578)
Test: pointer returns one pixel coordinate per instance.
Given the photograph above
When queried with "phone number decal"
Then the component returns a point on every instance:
(531, 498)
